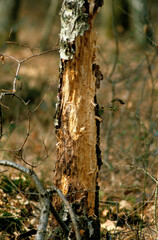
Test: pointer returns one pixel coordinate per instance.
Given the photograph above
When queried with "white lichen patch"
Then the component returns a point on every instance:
(73, 24)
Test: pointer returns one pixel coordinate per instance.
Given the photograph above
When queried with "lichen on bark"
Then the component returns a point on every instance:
(73, 23)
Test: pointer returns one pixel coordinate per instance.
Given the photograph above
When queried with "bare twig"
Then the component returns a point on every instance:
(155, 205)
(42, 98)
(39, 54)
(152, 89)
(1, 126)
(116, 42)
(28, 130)
(145, 171)
(20, 62)
(20, 150)
(44, 200)
(57, 217)
(110, 124)
(22, 45)
(69, 208)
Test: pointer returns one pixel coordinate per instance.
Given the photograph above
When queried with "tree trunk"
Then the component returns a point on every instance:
(141, 22)
(118, 16)
(77, 119)
(8, 17)
(49, 21)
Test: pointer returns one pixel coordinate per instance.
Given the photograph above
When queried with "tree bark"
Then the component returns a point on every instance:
(77, 118)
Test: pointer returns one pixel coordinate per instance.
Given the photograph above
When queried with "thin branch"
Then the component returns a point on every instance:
(39, 54)
(110, 123)
(116, 42)
(27, 234)
(155, 205)
(69, 208)
(152, 89)
(44, 200)
(146, 172)
(22, 45)
(59, 220)
(42, 98)
(16, 76)
(29, 164)
(20, 149)
(44, 158)
(11, 57)
(1, 124)
(20, 62)
(25, 140)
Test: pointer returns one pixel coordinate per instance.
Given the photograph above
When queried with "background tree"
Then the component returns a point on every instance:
(141, 22)
(77, 119)
(51, 16)
(8, 17)
(132, 16)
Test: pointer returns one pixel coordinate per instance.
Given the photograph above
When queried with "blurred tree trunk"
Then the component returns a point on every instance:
(77, 120)
(131, 15)
(50, 18)
(121, 12)
(141, 21)
(8, 17)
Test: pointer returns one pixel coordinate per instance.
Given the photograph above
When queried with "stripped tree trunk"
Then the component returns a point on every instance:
(77, 119)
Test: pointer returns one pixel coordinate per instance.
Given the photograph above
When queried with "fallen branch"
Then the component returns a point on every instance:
(46, 205)
(53, 189)
(44, 200)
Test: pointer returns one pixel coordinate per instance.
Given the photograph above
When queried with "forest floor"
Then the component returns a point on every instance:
(129, 136)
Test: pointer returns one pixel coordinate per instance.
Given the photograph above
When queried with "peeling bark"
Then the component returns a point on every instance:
(77, 124)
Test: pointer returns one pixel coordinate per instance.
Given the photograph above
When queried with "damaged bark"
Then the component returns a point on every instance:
(77, 116)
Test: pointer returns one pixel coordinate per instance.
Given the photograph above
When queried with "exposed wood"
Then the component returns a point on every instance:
(77, 118)
(76, 148)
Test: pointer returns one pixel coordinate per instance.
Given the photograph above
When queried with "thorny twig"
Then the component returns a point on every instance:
(20, 149)
(29, 164)
(20, 62)
(12, 92)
